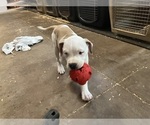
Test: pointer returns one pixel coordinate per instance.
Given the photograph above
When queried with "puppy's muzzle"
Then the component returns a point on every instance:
(73, 65)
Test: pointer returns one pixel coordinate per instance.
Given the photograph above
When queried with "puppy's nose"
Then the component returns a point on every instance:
(73, 66)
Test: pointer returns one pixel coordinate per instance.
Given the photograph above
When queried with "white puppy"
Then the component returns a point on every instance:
(74, 49)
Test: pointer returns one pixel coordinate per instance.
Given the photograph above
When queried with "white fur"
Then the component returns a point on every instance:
(73, 45)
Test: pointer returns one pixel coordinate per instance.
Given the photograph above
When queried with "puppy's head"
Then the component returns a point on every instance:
(75, 50)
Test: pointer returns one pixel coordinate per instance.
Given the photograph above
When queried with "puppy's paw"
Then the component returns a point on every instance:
(86, 95)
(61, 69)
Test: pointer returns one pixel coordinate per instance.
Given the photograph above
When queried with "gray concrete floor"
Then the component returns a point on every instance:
(30, 84)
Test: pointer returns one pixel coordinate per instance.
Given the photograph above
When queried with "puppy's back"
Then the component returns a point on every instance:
(63, 31)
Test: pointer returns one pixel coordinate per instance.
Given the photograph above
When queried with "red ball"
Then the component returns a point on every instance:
(81, 75)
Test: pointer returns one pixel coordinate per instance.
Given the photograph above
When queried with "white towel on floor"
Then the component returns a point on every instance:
(21, 43)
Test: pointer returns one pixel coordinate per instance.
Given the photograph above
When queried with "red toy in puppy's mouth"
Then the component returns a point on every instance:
(81, 75)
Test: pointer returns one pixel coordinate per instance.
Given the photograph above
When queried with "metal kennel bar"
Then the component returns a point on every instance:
(40, 6)
(93, 15)
(51, 7)
(67, 12)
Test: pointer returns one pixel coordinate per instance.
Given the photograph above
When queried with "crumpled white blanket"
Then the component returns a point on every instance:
(21, 43)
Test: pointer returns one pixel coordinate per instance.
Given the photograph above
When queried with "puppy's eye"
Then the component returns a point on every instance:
(81, 52)
(65, 53)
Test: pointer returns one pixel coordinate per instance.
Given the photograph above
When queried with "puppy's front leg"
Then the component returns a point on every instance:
(60, 67)
(85, 93)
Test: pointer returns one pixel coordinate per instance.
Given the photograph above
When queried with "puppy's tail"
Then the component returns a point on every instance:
(47, 28)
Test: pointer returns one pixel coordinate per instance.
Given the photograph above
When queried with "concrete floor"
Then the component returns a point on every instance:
(30, 84)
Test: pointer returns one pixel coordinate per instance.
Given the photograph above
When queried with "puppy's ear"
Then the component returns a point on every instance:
(61, 48)
(90, 45)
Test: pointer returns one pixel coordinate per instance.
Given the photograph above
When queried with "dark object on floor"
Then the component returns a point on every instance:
(52, 117)
(52, 114)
